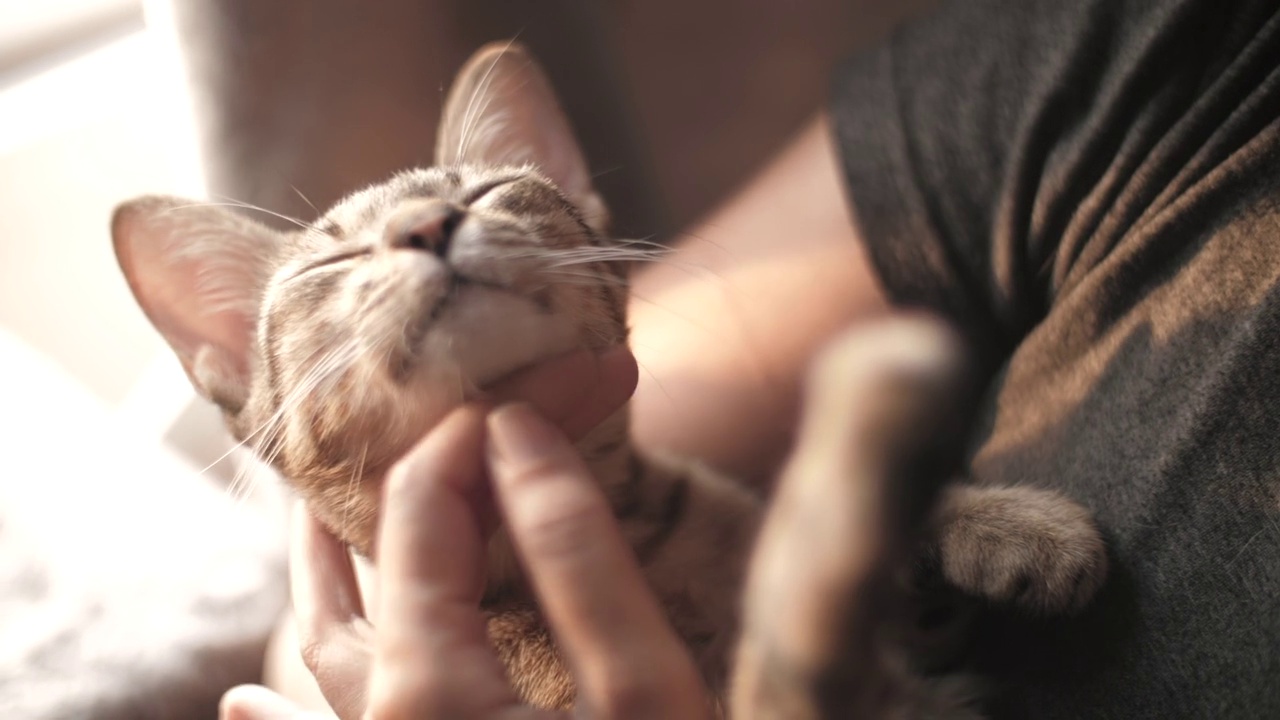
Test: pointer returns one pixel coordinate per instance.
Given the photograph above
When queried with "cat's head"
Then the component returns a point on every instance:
(332, 348)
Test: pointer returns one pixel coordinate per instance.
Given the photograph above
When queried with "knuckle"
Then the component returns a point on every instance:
(558, 526)
(312, 649)
(400, 477)
(536, 471)
(329, 655)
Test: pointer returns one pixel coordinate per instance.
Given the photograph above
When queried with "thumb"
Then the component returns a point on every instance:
(254, 702)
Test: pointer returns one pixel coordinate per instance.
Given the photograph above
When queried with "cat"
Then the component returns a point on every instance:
(332, 348)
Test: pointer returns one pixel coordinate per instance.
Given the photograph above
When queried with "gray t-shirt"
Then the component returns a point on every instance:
(1090, 189)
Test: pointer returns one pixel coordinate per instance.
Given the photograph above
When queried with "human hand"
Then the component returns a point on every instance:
(429, 655)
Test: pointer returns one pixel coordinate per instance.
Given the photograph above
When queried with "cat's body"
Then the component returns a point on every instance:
(333, 348)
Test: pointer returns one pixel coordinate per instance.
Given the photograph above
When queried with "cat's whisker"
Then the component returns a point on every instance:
(356, 474)
(646, 242)
(648, 257)
(605, 250)
(621, 248)
(692, 269)
(241, 483)
(226, 454)
(311, 205)
(233, 203)
(472, 113)
(334, 361)
(570, 277)
(601, 173)
(660, 251)
(465, 131)
(654, 303)
(236, 489)
(581, 256)
(486, 124)
(309, 382)
(674, 237)
(245, 483)
(653, 376)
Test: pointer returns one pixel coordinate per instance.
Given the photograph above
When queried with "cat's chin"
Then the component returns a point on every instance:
(490, 334)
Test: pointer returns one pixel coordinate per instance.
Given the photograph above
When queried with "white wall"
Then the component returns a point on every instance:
(75, 139)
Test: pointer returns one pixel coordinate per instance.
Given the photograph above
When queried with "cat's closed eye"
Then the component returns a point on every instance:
(478, 193)
(328, 261)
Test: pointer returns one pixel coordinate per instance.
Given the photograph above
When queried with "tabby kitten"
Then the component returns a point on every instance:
(333, 348)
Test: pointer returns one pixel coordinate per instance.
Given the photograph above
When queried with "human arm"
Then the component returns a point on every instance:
(724, 328)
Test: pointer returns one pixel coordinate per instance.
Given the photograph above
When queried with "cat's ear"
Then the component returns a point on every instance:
(501, 110)
(198, 273)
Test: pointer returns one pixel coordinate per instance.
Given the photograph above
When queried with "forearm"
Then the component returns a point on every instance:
(724, 329)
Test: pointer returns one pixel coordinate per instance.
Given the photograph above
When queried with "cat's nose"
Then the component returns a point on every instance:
(426, 225)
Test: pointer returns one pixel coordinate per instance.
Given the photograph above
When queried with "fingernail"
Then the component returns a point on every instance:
(517, 434)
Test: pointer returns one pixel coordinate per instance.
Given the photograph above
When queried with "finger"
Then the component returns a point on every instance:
(576, 391)
(323, 581)
(334, 637)
(586, 577)
(436, 481)
(616, 382)
(254, 702)
(433, 654)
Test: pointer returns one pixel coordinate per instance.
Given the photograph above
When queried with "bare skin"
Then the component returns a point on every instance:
(725, 331)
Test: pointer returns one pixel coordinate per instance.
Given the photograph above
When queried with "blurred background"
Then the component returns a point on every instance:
(92, 110)
(284, 104)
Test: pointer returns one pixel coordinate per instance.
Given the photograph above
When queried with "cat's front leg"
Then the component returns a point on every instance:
(827, 619)
(691, 536)
(535, 666)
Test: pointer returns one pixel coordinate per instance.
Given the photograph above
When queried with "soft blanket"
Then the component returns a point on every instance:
(130, 587)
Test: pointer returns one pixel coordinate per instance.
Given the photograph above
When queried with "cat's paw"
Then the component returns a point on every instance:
(824, 609)
(1032, 548)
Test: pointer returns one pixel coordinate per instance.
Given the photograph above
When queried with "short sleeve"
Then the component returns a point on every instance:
(996, 151)
(1090, 189)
